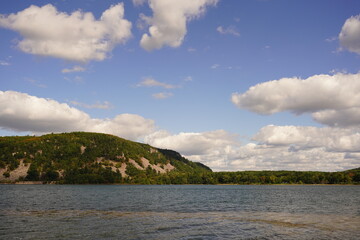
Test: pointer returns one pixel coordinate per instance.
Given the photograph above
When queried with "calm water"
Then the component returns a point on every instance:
(179, 212)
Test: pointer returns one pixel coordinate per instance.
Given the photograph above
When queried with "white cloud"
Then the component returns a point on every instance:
(129, 126)
(303, 137)
(228, 30)
(97, 105)
(191, 143)
(331, 39)
(168, 23)
(23, 112)
(277, 148)
(339, 118)
(332, 99)
(209, 148)
(4, 63)
(73, 69)
(150, 82)
(350, 34)
(302, 148)
(188, 79)
(162, 95)
(260, 157)
(215, 66)
(77, 36)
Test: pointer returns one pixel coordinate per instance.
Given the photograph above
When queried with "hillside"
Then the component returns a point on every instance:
(81, 157)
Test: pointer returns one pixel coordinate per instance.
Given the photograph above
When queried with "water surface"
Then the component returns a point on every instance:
(179, 212)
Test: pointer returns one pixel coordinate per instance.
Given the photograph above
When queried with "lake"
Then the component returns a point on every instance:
(179, 212)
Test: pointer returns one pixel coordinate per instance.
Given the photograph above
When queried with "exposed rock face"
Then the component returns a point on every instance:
(159, 168)
(82, 149)
(168, 167)
(136, 164)
(122, 170)
(21, 171)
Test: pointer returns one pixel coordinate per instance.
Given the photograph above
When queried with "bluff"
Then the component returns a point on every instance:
(90, 158)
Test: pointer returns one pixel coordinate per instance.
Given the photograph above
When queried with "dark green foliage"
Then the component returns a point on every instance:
(288, 177)
(50, 175)
(32, 174)
(132, 171)
(92, 175)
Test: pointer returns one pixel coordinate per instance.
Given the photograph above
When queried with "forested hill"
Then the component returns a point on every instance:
(81, 157)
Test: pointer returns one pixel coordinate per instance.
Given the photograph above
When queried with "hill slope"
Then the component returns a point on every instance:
(81, 157)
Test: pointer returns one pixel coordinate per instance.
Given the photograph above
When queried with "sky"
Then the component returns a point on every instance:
(236, 85)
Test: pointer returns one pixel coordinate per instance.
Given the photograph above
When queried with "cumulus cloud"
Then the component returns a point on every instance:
(306, 137)
(206, 147)
(301, 148)
(190, 143)
(284, 157)
(325, 96)
(73, 69)
(23, 112)
(350, 34)
(77, 36)
(260, 157)
(275, 148)
(228, 30)
(150, 82)
(168, 23)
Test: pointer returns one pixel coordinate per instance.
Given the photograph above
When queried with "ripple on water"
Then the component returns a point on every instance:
(96, 224)
(179, 212)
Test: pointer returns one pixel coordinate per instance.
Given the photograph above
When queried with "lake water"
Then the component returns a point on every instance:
(179, 212)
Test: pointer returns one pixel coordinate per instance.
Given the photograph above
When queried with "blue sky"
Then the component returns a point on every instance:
(237, 85)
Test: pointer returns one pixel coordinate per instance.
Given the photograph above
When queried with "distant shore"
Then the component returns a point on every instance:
(28, 183)
(228, 184)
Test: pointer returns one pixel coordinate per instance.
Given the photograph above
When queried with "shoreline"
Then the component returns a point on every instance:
(227, 184)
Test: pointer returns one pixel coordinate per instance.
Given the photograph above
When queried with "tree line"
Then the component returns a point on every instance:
(100, 175)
